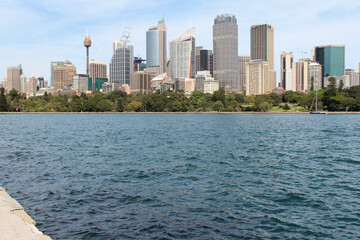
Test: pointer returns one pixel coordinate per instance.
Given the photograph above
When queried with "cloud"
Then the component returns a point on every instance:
(37, 32)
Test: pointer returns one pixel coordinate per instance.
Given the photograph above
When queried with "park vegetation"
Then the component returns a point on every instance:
(332, 98)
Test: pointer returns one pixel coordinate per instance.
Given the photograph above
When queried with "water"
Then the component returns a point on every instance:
(159, 176)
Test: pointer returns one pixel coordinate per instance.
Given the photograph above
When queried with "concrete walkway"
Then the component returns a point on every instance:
(15, 223)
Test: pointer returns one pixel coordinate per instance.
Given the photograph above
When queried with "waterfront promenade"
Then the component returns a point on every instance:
(15, 223)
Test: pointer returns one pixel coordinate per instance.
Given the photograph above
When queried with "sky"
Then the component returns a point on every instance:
(35, 32)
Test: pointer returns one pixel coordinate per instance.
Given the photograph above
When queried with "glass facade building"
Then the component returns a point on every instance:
(182, 56)
(225, 51)
(332, 59)
(122, 64)
(156, 51)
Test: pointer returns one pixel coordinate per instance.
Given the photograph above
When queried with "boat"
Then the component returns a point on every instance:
(316, 107)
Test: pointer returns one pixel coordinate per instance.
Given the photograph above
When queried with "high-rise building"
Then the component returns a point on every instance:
(315, 76)
(156, 51)
(243, 60)
(225, 51)
(332, 59)
(41, 82)
(122, 63)
(262, 43)
(197, 56)
(353, 77)
(63, 75)
(52, 65)
(286, 62)
(97, 70)
(140, 83)
(23, 82)
(32, 86)
(13, 79)
(182, 55)
(301, 81)
(259, 78)
(80, 82)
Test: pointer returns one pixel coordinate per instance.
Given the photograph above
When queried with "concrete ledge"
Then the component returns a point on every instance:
(15, 223)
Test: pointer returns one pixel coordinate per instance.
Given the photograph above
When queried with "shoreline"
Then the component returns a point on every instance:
(173, 113)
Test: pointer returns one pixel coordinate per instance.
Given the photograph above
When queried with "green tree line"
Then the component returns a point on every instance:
(332, 99)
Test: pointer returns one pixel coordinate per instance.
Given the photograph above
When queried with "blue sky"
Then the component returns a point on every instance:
(36, 32)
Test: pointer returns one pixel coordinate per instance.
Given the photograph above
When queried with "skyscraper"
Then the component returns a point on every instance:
(13, 78)
(315, 76)
(258, 77)
(332, 59)
(182, 55)
(301, 81)
(225, 55)
(52, 65)
(122, 63)
(156, 51)
(286, 62)
(353, 77)
(262, 43)
(63, 75)
(32, 86)
(23, 82)
(243, 60)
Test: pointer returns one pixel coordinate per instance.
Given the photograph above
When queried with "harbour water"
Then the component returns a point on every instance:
(185, 176)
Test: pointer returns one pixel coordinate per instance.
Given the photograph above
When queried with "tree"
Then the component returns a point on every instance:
(312, 83)
(286, 107)
(219, 106)
(341, 85)
(4, 107)
(13, 94)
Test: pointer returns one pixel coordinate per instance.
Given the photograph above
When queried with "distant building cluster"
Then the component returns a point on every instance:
(193, 68)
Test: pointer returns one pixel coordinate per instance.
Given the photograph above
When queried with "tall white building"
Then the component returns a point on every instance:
(122, 63)
(243, 60)
(286, 71)
(23, 81)
(182, 55)
(353, 77)
(260, 78)
(315, 76)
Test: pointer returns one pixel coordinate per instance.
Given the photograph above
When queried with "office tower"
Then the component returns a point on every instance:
(13, 79)
(122, 63)
(63, 75)
(80, 82)
(140, 83)
(97, 70)
(262, 43)
(23, 82)
(332, 59)
(353, 77)
(52, 65)
(156, 51)
(286, 62)
(182, 55)
(225, 51)
(205, 83)
(32, 86)
(5, 84)
(301, 81)
(87, 44)
(243, 60)
(259, 78)
(41, 82)
(197, 57)
(315, 76)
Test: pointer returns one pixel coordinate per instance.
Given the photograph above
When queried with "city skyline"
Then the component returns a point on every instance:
(51, 31)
